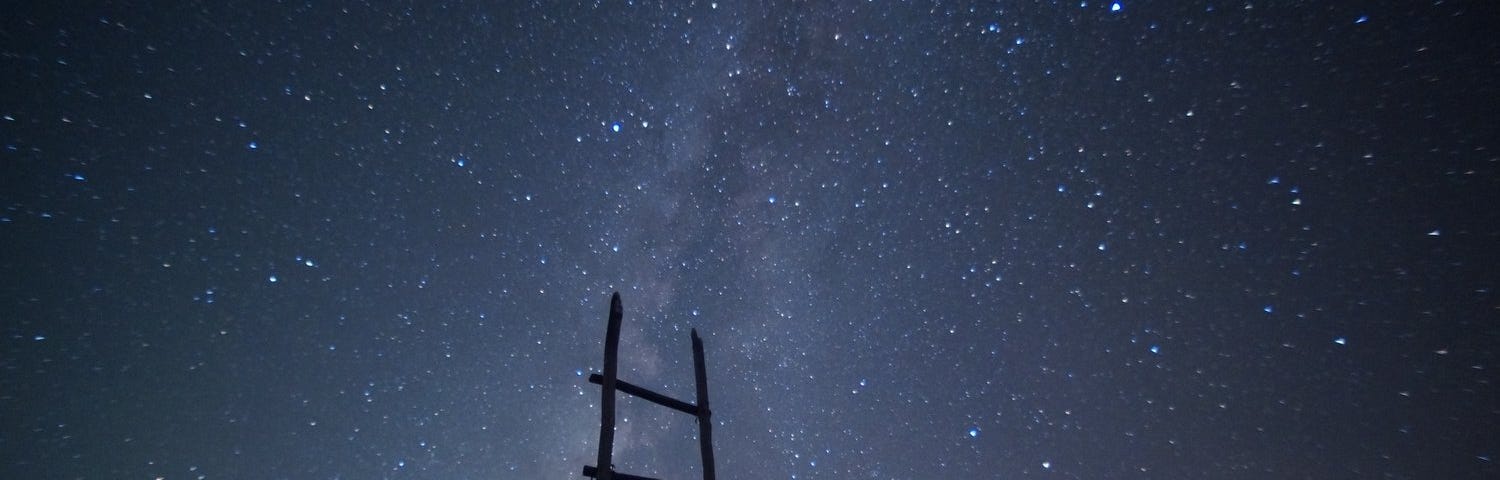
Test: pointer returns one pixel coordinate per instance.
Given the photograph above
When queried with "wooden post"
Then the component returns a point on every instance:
(607, 400)
(705, 420)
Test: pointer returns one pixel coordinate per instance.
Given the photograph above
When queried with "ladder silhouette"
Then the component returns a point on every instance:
(609, 382)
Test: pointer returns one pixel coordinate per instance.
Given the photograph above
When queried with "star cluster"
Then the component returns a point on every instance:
(1014, 240)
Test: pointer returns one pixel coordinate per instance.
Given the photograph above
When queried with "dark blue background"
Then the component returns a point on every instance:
(1025, 240)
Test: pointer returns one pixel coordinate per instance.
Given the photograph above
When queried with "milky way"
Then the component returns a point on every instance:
(1014, 240)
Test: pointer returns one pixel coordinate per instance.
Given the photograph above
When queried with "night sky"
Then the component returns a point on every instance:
(1167, 239)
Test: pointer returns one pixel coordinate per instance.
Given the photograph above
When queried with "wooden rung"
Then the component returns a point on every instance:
(647, 395)
(591, 472)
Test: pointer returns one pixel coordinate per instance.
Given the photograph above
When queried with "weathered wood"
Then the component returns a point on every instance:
(647, 395)
(607, 399)
(610, 383)
(705, 420)
(591, 472)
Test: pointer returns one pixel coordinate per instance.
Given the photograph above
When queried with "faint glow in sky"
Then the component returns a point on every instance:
(932, 269)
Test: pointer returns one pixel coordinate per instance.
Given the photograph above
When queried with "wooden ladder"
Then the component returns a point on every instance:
(610, 384)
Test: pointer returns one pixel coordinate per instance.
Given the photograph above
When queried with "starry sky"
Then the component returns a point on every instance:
(1088, 239)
